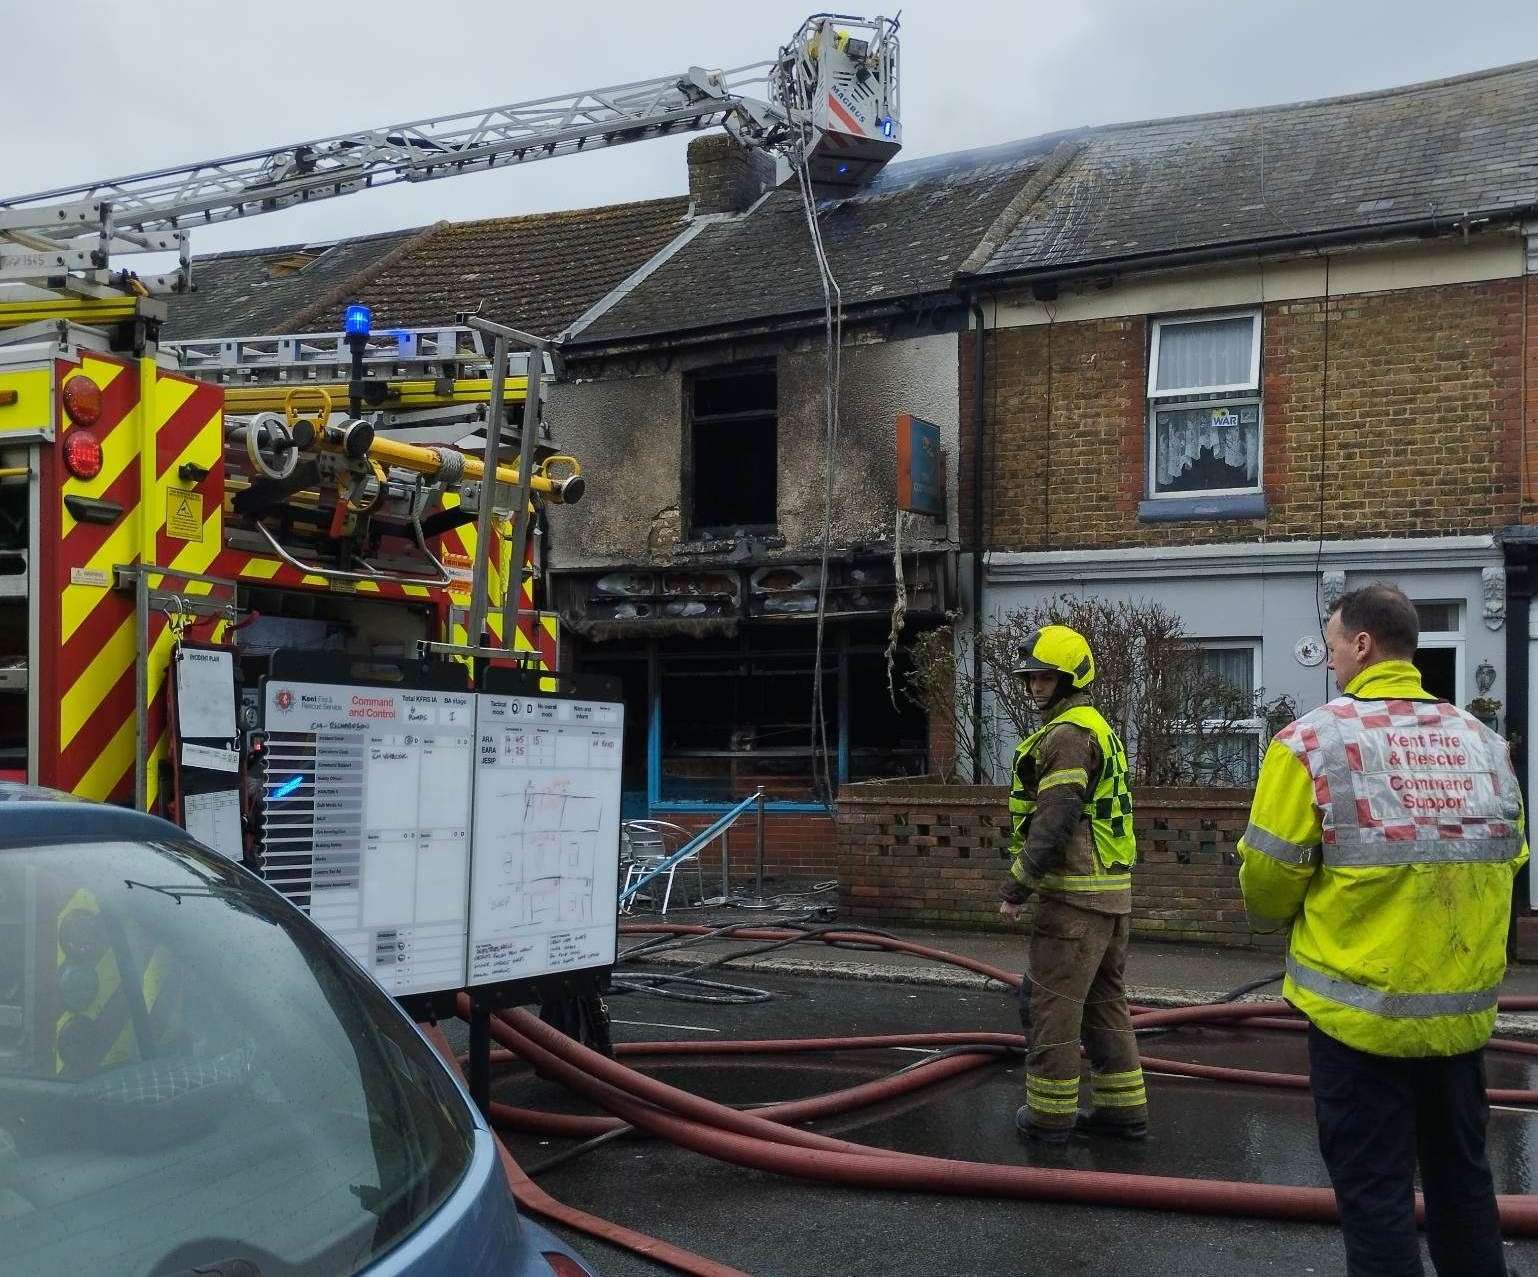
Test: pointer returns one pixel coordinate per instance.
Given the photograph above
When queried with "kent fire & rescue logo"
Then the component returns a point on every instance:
(284, 699)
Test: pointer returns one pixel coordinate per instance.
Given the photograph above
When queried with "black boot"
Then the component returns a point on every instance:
(1095, 1122)
(1033, 1130)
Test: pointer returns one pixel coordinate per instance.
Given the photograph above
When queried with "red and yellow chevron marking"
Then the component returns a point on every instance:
(158, 432)
(457, 549)
(152, 423)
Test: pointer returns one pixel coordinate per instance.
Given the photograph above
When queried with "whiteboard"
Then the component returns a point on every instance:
(366, 823)
(205, 693)
(544, 867)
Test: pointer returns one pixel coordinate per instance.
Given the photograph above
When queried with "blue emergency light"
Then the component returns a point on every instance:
(289, 785)
(357, 320)
(888, 125)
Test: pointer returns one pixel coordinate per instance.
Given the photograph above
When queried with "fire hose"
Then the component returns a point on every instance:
(764, 1140)
(758, 1143)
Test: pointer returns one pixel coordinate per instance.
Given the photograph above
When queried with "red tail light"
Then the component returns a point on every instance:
(563, 1267)
(82, 400)
(82, 454)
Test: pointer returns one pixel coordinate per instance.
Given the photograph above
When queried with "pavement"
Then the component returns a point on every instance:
(1158, 973)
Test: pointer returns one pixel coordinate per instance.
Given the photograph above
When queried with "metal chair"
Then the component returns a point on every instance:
(646, 845)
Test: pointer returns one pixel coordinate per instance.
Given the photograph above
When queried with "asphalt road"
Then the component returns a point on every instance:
(774, 1227)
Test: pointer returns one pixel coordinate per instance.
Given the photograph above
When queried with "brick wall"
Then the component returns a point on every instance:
(799, 847)
(936, 855)
(1425, 399)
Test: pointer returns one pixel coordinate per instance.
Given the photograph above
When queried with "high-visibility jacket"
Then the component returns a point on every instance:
(1386, 829)
(1093, 867)
(101, 1030)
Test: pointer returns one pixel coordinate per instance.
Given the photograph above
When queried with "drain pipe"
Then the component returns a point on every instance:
(977, 542)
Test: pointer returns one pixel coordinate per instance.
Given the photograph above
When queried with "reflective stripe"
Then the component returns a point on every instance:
(1268, 844)
(1066, 776)
(1052, 1094)
(1404, 1005)
(1120, 1099)
(1427, 851)
(1087, 882)
(1133, 1077)
(1017, 872)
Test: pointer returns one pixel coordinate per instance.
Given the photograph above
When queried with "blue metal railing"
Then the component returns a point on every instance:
(695, 844)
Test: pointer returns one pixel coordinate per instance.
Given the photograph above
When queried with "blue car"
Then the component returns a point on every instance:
(194, 1079)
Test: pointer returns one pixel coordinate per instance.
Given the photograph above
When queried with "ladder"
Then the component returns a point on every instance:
(830, 102)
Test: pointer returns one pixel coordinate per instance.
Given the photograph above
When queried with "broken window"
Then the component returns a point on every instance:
(885, 739)
(730, 452)
(739, 715)
(733, 722)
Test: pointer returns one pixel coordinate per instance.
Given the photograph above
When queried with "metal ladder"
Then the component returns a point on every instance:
(452, 352)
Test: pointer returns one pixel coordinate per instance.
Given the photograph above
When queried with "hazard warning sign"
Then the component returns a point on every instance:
(184, 515)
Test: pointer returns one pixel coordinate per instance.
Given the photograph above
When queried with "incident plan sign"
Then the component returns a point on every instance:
(544, 875)
(366, 809)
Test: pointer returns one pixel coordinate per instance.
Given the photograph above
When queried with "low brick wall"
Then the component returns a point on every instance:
(936, 855)
(798, 847)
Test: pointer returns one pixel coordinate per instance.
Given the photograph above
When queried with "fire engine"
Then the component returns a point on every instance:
(317, 491)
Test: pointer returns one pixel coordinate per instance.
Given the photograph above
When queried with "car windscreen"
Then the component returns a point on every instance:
(191, 1073)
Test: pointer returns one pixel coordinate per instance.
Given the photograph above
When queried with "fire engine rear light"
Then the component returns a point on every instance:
(82, 400)
(82, 453)
(561, 1266)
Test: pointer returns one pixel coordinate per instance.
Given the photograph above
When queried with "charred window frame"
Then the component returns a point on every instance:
(730, 452)
(725, 720)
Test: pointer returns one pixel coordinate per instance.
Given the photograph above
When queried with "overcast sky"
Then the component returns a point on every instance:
(103, 88)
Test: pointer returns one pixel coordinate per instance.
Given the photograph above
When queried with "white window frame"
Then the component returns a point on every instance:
(1252, 386)
(1450, 640)
(1256, 724)
(1238, 395)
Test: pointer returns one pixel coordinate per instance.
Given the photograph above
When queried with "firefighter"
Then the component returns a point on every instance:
(1385, 833)
(109, 1019)
(1073, 845)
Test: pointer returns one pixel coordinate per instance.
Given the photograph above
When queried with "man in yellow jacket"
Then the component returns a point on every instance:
(1072, 844)
(1385, 833)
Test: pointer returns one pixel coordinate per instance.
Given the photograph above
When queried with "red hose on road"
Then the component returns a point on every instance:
(723, 1132)
(735, 1137)
(830, 1104)
(534, 1199)
(843, 1101)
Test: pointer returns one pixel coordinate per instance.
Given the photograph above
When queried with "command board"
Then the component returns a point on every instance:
(366, 804)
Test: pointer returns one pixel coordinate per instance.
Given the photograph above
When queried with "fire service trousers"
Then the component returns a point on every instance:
(1074, 989)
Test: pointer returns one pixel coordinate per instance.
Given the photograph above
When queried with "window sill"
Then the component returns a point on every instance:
(1245, 505)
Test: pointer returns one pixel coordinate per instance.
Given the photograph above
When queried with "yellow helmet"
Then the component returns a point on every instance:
(1056, 649)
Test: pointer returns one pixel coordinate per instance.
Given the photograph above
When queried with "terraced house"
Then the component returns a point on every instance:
(1235, 363)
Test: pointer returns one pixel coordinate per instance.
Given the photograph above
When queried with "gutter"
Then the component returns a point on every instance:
(1422, 227)
(646, 343)
(977, 543)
